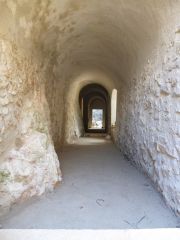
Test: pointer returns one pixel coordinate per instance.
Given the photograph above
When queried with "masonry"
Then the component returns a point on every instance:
(50, 50)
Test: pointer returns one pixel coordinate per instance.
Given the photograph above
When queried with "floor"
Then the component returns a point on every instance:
(100, 190)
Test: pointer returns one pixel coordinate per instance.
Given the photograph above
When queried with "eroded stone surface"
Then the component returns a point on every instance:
(149, 122)
(28, 165)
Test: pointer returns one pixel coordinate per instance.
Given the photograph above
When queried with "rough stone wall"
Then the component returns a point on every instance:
(54, 91)
(28, 163)
(74, 125)
(148, 131)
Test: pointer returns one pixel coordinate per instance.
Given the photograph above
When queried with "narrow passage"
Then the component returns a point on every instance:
(100, 189)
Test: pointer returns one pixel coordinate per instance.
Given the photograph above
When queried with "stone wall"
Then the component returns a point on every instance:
(28, 163)
(148, 130)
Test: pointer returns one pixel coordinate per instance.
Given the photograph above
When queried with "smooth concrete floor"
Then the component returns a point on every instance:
(100, 190)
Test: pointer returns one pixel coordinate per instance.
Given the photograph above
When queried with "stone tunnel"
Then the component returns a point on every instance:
(50, 51)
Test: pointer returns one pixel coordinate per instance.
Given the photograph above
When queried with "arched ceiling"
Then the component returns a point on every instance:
(112, 36)
(75, 36)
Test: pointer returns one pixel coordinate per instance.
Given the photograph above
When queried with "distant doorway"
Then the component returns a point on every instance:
(94, 103)
(97, 119)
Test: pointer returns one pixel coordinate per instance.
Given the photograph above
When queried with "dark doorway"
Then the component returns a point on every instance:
(94, 104)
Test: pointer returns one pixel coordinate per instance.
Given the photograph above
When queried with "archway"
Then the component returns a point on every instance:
(95, 108)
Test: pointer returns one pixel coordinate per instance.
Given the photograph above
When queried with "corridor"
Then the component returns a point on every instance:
(100, 190)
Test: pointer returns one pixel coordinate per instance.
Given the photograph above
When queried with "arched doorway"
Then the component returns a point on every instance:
(95, 108)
